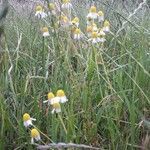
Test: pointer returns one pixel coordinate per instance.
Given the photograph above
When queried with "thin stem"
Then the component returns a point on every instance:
(62, 124)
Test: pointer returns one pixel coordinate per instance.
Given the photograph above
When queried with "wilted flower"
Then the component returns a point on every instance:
(62, 96)
(66, 4)
(75, 21)
(77, 34)
(27, 120)
(100, 16)
(40, 12)
(92, 13)
(45, 31)
(56, 108)
(35, 135)
(106, 27)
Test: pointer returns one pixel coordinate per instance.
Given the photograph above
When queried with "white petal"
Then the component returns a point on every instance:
(67, 6)
(38, 138)
(53, 111)
(27, 123)
(38, 15)
(45, 34)
(63, 6)
(58, 110)
(94, 41)
(45, 101)
(98, 40)
(55, 100)
(63, 99)
(92, 15)
(33, 119)
(43, 15)
(32, 140)
(75, 36)
(106, 29)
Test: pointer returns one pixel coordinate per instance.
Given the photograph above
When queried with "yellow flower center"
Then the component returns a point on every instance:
(51, 6)
(106, 23)
(100, 13)
(66, 1)
(75, 20)
(94, 35)
(77, 31)
(26, 117)
(50, 95)
(56, 105)
(93, 9)
(34, 133)
(89, 29)
(39, 8)
(44, 29)
(60, 93)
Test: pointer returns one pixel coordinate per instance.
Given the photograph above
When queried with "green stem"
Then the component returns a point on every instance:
(60, 118)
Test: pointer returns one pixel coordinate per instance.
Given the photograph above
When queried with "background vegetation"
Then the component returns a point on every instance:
(108, 90)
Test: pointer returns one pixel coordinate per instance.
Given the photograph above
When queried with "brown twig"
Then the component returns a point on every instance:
(66, 145)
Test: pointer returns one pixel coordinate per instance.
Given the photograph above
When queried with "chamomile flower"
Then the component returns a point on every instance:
(40, 12)
(92, 13)
(100, 16)
(35, 135)
(77, 34)
(62, 96)
(56, 108)
(106, 27)
(52, 99)
(94, 37)
(52, 8)
(75, 21)
(66, 4)
(27, 120)
(55, 100)
(45, 31)
(64, 21)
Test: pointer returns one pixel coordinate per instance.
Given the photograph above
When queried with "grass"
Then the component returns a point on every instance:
(107, 87)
